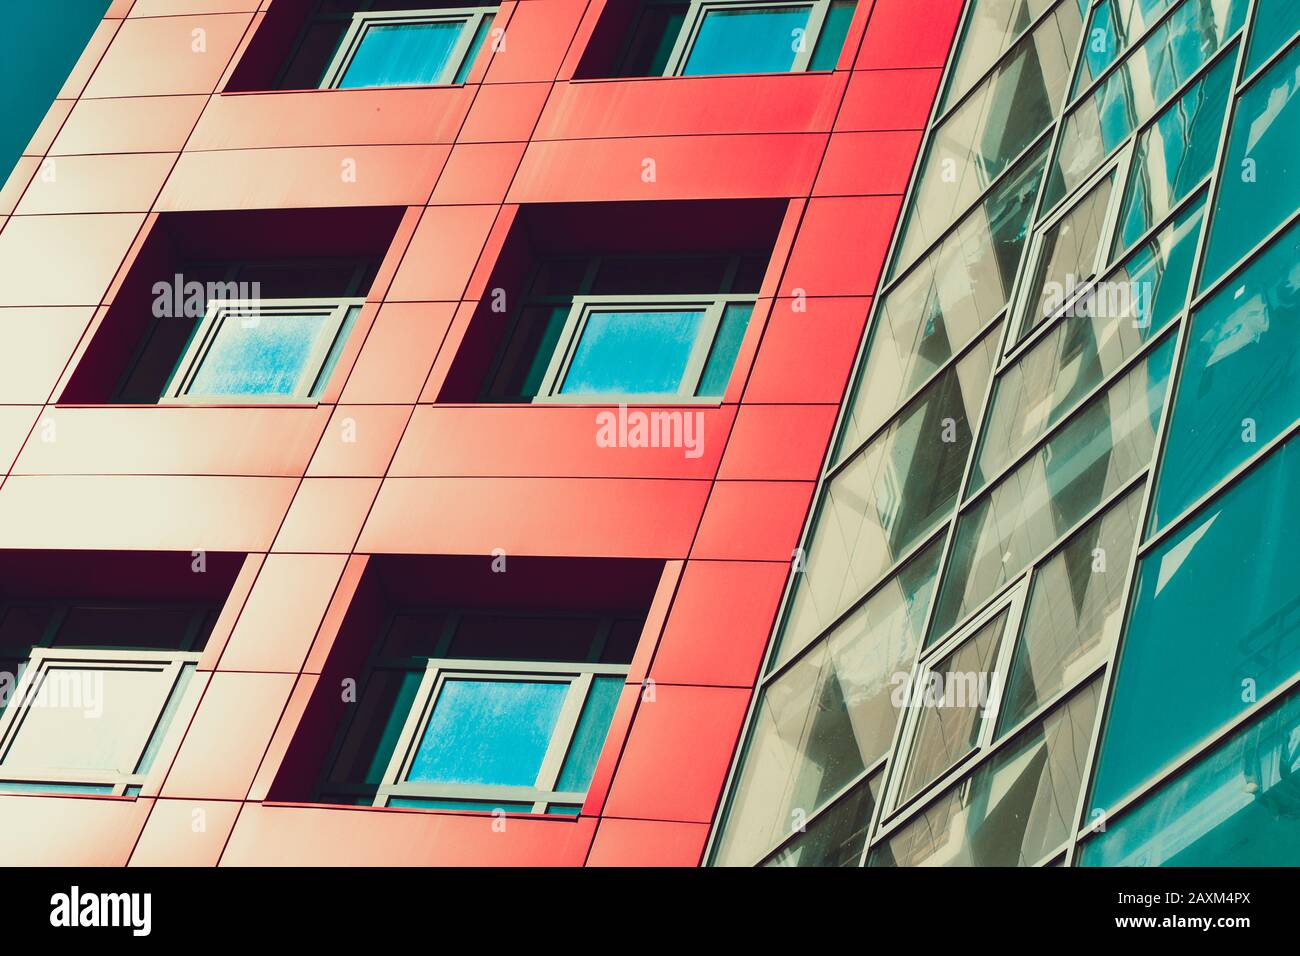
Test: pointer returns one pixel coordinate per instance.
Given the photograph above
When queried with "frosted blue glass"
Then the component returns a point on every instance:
(262, 356)
(632, 353)
(406, 54)
(488, 732)
(1213, 627)
(1234, 807)
(589, 738)
(761, 40)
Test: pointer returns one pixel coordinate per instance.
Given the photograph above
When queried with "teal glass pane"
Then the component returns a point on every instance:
(1240, 384)
(1174, 154)
(165, 719)
(475, 45)
(834, 29)
(264, 355)
(488, 731)
(1236, 806)
(19, 786)
(1213, 627)
(758, 40)
(551, 327)
(335, 350)
(1260, 184)
(405, 54)
(726, 345)
(1114, 25)
(632, 353)
(991, 26)
(1105, 444)
(483, 806)
(1276, 21)
(387, 728)
(561, 810)
(589, 738)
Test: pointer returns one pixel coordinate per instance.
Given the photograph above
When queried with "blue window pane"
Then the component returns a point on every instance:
(762, 40)
(1276, 21)
(1210, 631)
(632, 353)
(406, 54)
(482, 806)
(266, 355)
(731, 332)
(475, 45)
(589, 738)
(1175, 153)
(1240, 385)
(831, 42)
(489, 732)
(1260, 185)
(1233, 807)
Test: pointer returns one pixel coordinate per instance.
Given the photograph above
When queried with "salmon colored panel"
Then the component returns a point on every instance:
(15, 425)
(398, 353)
(75, 84)
(127, 183)
(62, 260)
(320, 836)
(648, 843)
(141, 125)
(807, 350)
(52, 122)
(898, 37)
(173, 8)
(169, 55)
(888, 99)
(858, 164)
(504, 113)
(319, 176)
(359, 441)
(841, 246)
(327, 515)
(282, 613)
(229, 733)
(38, 343)
(177, 441)
(671, 769)
(185, 833)
(333, 118)
(753, 520)
(69, 831)
(563, 441)
(655, 620)
(335, 614)
(119, 8)
(801, 103)
(720, 621)
(285, 730)
(25, 168)
(130, 513)
(603, 775)
(669, 167)
(536, 37)
(478, 173)
(622, 517)
(230, 611)
(779, 442)
(442, 254)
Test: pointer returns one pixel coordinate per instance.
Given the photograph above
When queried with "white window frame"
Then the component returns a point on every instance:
(169, 665)
(541, 797)
(699, 9)
(221, 311)
(362, 21)
(584, 306)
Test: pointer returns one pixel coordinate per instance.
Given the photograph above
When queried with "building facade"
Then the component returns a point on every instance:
(627, 432)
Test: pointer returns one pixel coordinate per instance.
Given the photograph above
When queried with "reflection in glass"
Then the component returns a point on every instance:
(837, 836)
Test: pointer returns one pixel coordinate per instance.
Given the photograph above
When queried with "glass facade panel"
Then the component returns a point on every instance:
(1103, 446)
(985, 135)
(1276, 21)
(991, 27)
(265, 355)
(1213, 627)
(1260, 185)
(1015, 809)
(1240, 383)
(1115, 24)
(888, 498)
(1235, 806)
(836, 837)
(828, 716)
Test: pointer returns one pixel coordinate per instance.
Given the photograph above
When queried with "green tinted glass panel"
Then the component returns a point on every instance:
(589, 738)
(726, 345)
(1240, 385)
(831, 41)
(1213, 627)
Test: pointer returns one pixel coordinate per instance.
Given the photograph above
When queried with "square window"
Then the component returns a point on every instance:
(408, 48)
(270, 350)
